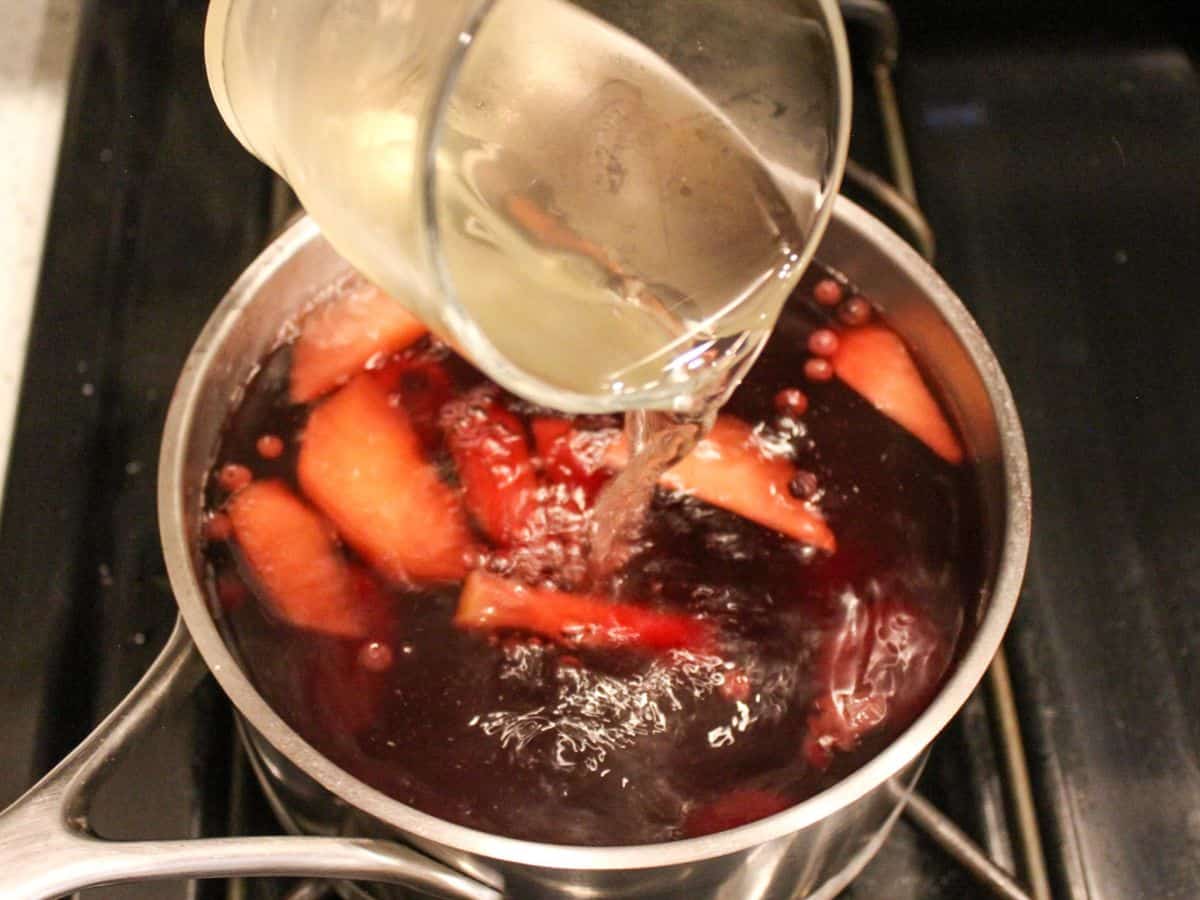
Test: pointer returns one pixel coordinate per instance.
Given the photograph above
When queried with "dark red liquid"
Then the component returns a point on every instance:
(821, 659)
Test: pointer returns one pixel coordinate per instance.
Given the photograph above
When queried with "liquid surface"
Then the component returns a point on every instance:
(781, 666)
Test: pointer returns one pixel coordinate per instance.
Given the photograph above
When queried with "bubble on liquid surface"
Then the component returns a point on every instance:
(594, 713)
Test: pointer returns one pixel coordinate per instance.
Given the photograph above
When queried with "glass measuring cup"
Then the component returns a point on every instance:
(603, 204)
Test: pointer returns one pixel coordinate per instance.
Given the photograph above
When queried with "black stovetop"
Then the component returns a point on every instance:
(1057, 165)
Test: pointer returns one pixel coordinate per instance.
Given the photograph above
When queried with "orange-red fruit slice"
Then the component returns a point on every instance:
(362, 464)
(728, 470)
(873, 361)
(292, 556)
(547, 431)
(550, 230)
(492, 456)
(490, 601)
(339, 337)
(571, 456)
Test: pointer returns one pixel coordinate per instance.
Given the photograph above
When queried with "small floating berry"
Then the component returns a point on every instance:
(855, 311)
(828, 292)
(817, 368)
(269, 446)
(823, 342)
(234, 477)
(803, 485)
(218, 528)
(791, 402)
(375, 656)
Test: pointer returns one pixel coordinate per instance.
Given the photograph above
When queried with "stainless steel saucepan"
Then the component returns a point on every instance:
(812, 849)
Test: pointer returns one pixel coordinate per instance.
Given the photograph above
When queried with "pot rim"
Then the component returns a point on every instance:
(191, 597)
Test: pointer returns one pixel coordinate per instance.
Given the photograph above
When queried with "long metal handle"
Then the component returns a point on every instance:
(47, 849)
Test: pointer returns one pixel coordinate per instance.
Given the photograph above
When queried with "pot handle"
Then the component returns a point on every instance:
(47, 849)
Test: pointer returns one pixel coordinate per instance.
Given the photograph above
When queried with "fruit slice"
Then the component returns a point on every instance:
(551, 231)
(739, 807)
(489, 601)
(361, 463)
(880, 663)
(873, 361)
(492, 456)
(571, 457)
(339, 337)
(424, 387)
(728, 470)
(292, 556)
(547, 430)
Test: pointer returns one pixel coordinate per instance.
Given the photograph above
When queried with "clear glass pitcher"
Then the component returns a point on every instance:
(603, 204)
